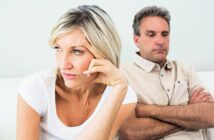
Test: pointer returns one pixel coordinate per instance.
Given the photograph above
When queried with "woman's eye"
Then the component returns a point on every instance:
(77, 52)
(58, 49)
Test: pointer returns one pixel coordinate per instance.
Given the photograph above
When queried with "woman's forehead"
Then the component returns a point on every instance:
(72, 38)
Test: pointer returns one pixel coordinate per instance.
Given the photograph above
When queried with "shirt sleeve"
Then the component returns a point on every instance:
(32, 90)
(130, 96)
(194, 80)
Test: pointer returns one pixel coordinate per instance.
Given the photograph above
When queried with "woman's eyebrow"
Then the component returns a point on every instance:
(73, 46)
(55, 44)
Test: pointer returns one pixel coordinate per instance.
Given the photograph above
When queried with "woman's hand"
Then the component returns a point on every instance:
(108, 74)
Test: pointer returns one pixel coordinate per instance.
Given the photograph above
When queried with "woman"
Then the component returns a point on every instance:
(82, 98)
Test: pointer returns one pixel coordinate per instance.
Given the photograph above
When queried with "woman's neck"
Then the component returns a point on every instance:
(80, 93)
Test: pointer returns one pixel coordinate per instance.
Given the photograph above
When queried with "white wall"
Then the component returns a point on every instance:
(25, 26)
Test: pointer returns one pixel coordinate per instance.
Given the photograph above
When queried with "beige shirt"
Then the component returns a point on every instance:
(171, 85)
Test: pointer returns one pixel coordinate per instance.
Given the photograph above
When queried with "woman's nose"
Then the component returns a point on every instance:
(66, 62)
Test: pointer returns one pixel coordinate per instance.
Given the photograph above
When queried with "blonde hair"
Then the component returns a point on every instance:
(98, 28)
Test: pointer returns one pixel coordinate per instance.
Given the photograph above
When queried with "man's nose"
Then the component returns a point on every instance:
(159, 40)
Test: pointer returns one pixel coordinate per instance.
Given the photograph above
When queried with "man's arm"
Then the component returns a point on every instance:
(146, 129)
(150, 128)
(124, 113)
(193, 116)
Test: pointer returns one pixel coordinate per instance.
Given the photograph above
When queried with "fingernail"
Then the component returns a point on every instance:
(85, 72)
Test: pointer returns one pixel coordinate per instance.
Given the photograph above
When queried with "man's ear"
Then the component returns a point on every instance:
(136, 40)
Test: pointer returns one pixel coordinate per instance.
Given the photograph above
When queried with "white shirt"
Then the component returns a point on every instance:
(38, 90)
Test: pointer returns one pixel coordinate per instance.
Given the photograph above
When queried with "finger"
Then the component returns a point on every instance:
(199, 98)
(99, 65)
(195, 98)
(102, 79)
(202, 95)
(94, 62)
(196, 92)
(210, 100)
(95, 69)
(89, 67)
(99, 62)
(205, 98)
(207, 93)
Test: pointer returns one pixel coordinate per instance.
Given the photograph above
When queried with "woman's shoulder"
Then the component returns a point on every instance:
(40, 80)
(50, 73)
(41, 76)
(35, 90)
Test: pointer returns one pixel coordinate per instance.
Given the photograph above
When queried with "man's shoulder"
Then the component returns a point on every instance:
(180, 64)
(124, 65)
(127, 66)
(183, 67)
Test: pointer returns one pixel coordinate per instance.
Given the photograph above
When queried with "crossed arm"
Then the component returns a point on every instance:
(155, 121)
(146, 129)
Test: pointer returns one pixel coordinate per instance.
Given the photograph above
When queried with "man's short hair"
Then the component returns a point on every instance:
(149, 11)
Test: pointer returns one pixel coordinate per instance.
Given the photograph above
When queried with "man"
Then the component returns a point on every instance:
(173, 105)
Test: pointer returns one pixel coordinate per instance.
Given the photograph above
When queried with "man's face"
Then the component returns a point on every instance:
(153, 41)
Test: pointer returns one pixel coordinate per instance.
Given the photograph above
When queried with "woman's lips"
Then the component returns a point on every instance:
(69, 76)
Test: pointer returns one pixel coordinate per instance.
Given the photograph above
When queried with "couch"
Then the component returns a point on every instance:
(8, 87)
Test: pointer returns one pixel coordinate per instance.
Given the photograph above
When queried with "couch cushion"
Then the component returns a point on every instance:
(8, 102)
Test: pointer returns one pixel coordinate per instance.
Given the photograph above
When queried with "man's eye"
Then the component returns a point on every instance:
(165, 34)
(58, 49)
(151, 34)
(77, 52)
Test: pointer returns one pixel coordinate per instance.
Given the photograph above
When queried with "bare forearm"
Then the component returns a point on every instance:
(146, 129)
(194, 116)
(104, 119)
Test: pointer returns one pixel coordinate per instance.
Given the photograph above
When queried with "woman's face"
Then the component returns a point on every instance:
(73, 58)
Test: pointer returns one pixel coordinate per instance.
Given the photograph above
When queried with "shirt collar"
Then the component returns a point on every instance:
(147, 65)
(168, 65)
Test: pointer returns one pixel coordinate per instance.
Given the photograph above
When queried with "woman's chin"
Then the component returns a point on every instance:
(70, 84)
